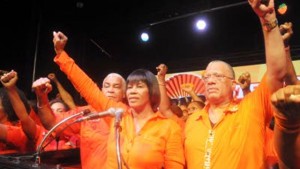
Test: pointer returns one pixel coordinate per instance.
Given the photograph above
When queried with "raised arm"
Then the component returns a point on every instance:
(274, 47)
(287, 126)
(165, 103)
(190, 90)
(64, 94)
(42, 87)
(9, 81)
(286, 30)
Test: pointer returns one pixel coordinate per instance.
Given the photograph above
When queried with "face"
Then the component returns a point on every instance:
(219, 83)
(58, 108)
(138, 95)
(112, 88)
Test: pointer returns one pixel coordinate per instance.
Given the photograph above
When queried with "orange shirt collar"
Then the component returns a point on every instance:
(232, 108)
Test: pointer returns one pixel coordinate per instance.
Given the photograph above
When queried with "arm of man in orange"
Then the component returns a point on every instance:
(9, 81)
(274, 47)
(287, 126)
(65, 95)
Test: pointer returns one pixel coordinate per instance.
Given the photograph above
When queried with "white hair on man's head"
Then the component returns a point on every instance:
(119, 76)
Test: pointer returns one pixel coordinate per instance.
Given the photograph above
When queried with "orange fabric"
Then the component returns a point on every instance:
(157, 145)
(270, 150)
(93, 139)
(237, 141)
(16, 140)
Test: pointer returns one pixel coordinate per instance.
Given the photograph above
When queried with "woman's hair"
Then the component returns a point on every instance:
(7, 106)
(142, 75)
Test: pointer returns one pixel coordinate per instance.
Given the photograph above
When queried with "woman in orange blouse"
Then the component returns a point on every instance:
(148, 140)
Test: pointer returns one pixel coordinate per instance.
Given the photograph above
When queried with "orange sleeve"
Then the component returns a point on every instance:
(85, 85)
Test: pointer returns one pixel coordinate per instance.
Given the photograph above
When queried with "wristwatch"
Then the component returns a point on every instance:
(268, 26)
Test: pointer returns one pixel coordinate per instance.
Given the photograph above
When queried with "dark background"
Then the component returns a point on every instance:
(234, 35)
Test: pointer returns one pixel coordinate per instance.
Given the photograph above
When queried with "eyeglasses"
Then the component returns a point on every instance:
(217, 76)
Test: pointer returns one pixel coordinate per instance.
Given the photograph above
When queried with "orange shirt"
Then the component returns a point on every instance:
(16, 140)
(237, 141)
(158, 144)
(93, 139)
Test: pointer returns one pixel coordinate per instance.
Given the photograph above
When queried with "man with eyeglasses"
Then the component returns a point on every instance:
(230, 134)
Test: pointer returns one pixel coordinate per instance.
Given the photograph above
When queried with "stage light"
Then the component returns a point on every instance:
(201, 24)
(282, 8)
(145, 37)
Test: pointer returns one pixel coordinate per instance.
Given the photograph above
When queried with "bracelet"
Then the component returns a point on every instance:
(43, 106)
(268, 26)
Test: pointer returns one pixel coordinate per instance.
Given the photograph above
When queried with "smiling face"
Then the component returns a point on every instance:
(142, 90)
(219, 82)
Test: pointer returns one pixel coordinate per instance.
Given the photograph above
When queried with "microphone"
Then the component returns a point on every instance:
(118, 115)
(110, 112)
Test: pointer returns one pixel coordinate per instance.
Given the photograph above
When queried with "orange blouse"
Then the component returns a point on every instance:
(157, 145)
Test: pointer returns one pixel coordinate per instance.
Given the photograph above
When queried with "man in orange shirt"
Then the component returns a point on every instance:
(93, 133)
(227, 134)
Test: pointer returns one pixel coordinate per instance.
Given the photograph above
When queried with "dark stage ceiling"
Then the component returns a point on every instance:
(104, 35)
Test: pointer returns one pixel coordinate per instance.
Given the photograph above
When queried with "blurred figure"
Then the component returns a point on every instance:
(287, 116)
(18, 132)
(287, 126)
(190, 90)
(62, 92)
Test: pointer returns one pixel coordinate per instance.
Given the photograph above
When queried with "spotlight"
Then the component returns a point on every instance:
(201, 24)
(282, 8)
(145, 37)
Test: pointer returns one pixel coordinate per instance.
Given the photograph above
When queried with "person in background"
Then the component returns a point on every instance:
(62, 92)
(93, 134)
(18, 132)
(287, 117)
(244, 81)
(287, 126)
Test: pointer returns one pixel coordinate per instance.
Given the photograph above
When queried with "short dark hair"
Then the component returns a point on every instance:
(149, 78)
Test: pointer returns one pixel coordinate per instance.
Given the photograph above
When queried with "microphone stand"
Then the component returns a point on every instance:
(40, 146)
(118, 129)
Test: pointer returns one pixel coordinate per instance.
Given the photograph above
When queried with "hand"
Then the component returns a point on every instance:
(59, 42)
(188, 87)
(161, 73)
(162, 70)
(245, 80)
(286, 31)
(287, 101)
(42, 86)
(9, 79)
(261, 8)
(52, 77)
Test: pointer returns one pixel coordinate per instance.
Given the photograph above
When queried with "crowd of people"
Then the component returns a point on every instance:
(218, 131)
